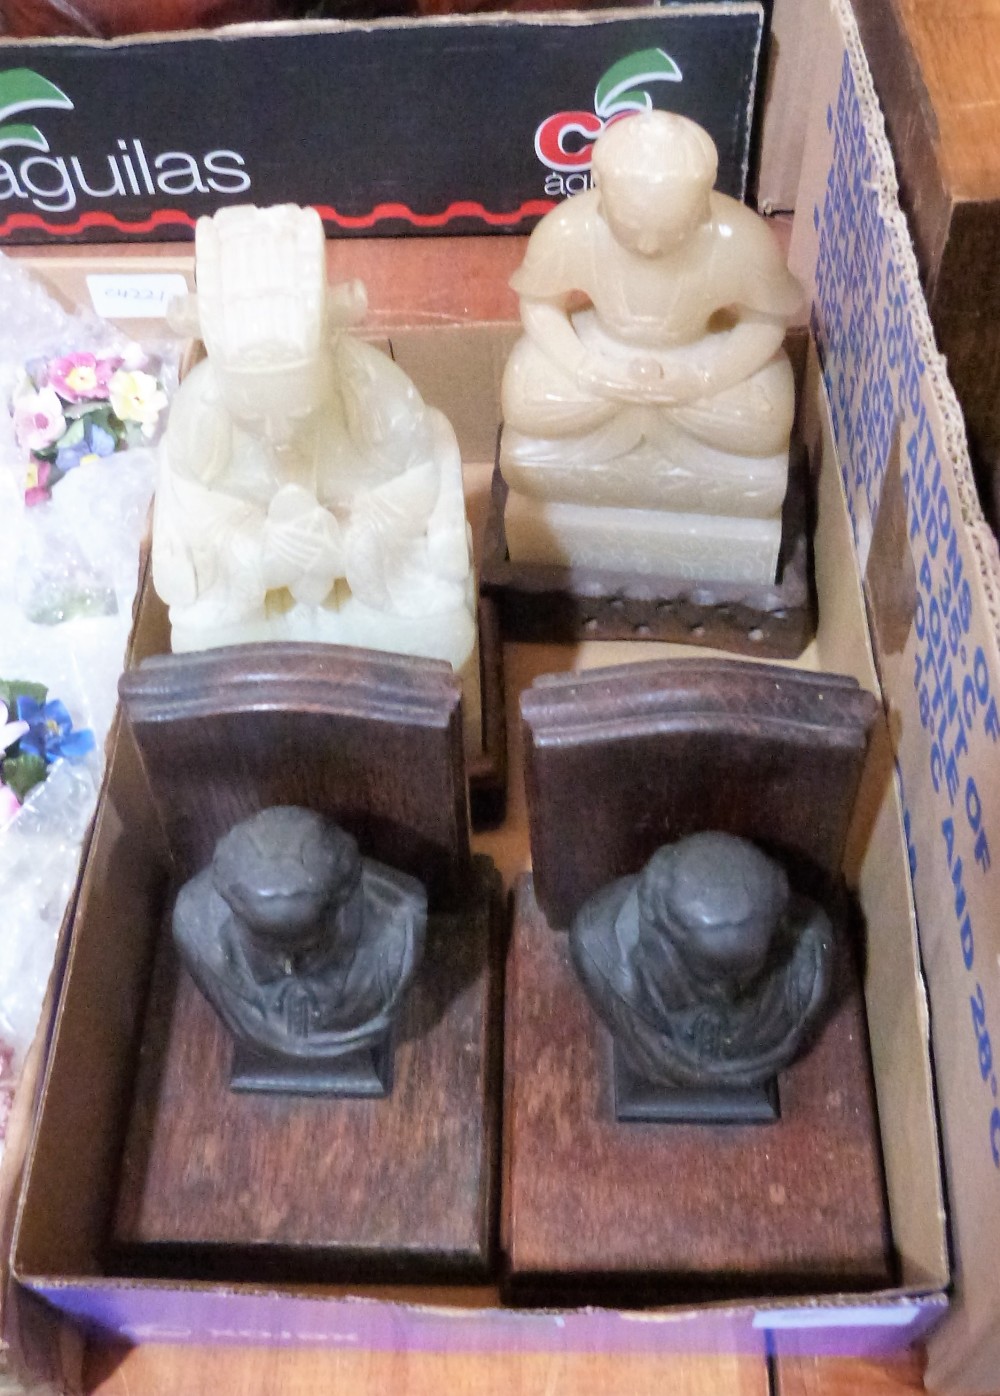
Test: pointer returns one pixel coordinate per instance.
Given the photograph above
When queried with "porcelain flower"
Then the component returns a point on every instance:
(37, 488)
(38, 419)
(137, 397)
(37, 371)
(50, 731)
(10, 732)
(81, 377)
(94, 443)
(9, 804)
(134, 356)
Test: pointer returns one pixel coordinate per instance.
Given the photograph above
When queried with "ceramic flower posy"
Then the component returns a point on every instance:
(39, 733)
(10, 735)
(80, 407)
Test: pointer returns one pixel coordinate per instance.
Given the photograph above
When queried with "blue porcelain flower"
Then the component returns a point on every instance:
(50, 731)
(94, 443)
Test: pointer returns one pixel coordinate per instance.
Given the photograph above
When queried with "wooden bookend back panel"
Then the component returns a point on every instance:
(372, 740)
(619, 761)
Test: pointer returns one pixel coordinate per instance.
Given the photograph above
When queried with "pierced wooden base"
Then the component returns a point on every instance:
(542, 602)
(600, 1210)
(223, 1184)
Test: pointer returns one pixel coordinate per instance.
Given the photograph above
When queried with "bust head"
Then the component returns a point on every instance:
(281, 870)
(655, 172)
(718, 900)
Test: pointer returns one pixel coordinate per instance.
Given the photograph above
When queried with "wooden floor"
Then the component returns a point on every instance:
(176, 1371)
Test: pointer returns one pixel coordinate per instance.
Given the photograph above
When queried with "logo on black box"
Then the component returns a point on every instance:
(32, 174)
(564, 142)
(127, 182)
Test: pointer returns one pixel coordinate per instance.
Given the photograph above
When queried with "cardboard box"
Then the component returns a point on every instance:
(33, 1339)
(73, 1169)
(935, 75)
(72, 1172)
(548, 82)
(787, 102)
(899, 532)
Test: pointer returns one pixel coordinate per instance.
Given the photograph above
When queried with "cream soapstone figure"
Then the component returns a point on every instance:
(306, 492)
(648, 406)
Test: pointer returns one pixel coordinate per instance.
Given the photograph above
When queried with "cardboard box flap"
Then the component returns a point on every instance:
(876, 863)
(932, 584)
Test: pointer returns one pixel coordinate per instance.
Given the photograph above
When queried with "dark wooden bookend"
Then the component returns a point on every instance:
(486, 769)
(619, 761)
(602, 1211)
(224, 1175)
(374, 741)
(602, 1199)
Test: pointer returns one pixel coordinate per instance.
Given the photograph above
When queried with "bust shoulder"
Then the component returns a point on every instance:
(397, 905)
(559, 250)
(199, 919)
(752, 256)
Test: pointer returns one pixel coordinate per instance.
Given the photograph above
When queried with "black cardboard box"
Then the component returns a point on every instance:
(398, 126)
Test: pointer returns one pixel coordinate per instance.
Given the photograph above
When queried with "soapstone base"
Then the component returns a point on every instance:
(545, 603)
(650, 542)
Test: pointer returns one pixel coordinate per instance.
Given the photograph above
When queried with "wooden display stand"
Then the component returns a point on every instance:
(618, 762)
(225, 1185)
(543, 602)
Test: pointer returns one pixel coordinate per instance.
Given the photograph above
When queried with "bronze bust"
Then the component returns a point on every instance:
(304, 949)
(708, 970)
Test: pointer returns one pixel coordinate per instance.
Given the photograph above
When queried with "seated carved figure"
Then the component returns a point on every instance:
(306, 492)
(648, 407)
(706, 968)
(303, 947)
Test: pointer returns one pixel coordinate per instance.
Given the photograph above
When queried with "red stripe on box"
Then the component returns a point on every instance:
(163, 217)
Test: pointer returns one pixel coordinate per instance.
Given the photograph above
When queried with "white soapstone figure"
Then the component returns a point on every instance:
(648, 406)
(306, 492)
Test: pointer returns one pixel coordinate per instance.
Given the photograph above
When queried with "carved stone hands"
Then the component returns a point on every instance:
(646, 378)
(303, 549)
